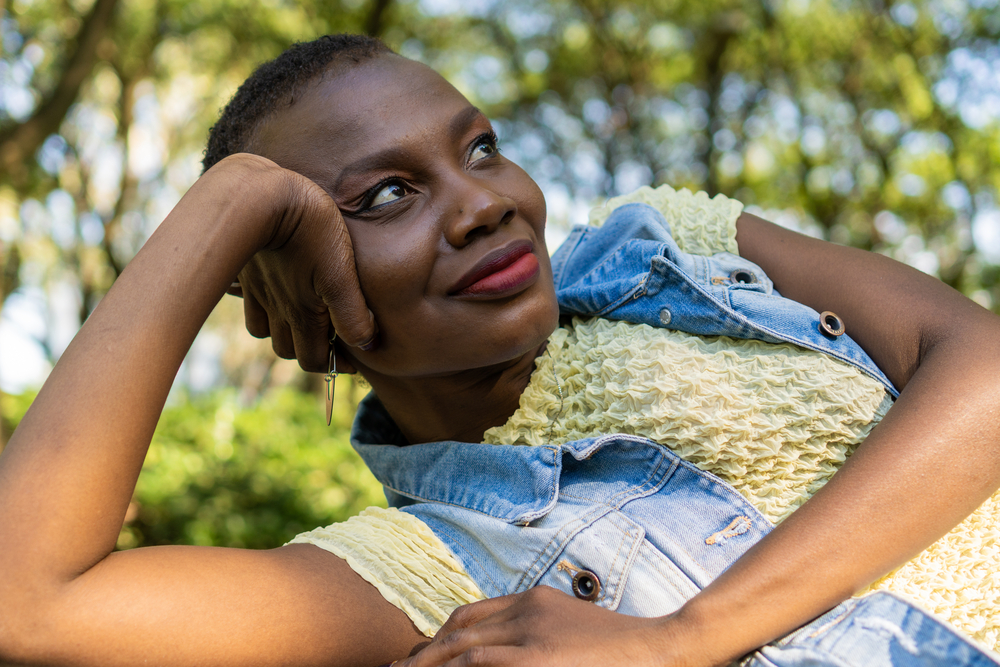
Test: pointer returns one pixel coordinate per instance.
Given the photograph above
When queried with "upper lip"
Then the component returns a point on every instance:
(493, 261)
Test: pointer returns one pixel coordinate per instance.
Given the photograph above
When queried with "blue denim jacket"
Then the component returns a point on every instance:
(622, 520)
(631, 269)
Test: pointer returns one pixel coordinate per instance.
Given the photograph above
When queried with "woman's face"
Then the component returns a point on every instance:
(447, 233)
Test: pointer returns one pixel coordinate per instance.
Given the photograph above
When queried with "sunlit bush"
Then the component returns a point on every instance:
(220, 474)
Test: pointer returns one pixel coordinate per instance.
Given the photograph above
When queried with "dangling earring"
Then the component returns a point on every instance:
(331, 380)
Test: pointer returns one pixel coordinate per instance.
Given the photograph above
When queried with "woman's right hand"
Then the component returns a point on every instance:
(68, 473)
(305, 283)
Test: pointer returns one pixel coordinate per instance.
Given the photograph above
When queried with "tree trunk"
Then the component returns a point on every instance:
(19, 143)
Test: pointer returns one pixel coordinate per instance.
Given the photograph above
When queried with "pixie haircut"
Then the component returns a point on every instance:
(274, 85)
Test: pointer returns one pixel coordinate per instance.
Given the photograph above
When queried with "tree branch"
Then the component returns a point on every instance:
(376, 19)
(2, 6)
(19, 143)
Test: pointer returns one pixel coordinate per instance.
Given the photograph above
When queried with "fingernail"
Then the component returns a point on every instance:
(372, 342)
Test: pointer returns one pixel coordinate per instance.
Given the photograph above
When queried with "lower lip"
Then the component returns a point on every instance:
(506, 281)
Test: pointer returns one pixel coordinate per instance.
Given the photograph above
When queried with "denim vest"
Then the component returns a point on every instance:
(618, 519)
(632, 269)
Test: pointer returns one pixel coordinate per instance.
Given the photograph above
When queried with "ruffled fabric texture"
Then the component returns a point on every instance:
(700, 225)
(775, 421)
(958, 577)
(400, 556)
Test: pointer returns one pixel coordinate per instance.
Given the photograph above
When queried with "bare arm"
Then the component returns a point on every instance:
(922, 470)
(68, 473)
(930, 463)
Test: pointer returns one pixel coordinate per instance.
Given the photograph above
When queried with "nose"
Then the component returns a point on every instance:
(476, 210)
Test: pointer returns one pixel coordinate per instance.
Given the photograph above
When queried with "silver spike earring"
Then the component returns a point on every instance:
(331, 380)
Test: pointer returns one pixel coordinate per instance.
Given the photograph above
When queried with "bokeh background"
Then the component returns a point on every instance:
(872, 123)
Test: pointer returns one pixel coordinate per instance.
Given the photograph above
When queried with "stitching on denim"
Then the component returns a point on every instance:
(732, 493)
(614, 583)
(666, 576)
(644, 488)
(633, 492)
(737, 526)
(633, 294)
(729, 490)
(746, 322)
(581, 233)
(631, 535)
(432, 501)
(531, 516)
(762, 660)
(558, 543)
(826, 626)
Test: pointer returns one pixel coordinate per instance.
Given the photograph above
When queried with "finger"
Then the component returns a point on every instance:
(471, 614)
(281, 339)
(235, 289)
(255, 317)
(491, 656)
(336, 281)
(311, 340)
(463, 644)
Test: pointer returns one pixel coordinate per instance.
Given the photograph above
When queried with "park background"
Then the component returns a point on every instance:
(870, 123)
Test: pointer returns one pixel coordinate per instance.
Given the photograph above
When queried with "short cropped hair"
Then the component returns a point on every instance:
(275, 84)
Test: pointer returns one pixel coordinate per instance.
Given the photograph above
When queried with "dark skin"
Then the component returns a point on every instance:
(447, 366)
(451, 199)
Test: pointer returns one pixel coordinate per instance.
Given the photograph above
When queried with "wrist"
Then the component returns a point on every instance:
(691, 637)
(253, 198)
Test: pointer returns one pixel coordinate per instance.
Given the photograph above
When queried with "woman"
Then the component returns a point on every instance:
(381, 155)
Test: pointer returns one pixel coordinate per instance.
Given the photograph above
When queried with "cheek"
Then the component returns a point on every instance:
(394, 270)
(530, 200)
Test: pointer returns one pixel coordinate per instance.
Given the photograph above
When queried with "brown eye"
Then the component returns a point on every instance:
(484, 147)
(386, 194)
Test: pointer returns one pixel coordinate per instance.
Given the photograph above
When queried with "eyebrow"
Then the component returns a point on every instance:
(457, 126)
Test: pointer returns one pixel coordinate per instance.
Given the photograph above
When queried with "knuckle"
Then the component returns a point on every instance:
(454, 639)
(476, 656)
(462, 616)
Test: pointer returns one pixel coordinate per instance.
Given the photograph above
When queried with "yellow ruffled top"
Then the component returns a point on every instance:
(774, 421)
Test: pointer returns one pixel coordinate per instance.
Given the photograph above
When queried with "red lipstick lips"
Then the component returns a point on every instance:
(500, 273)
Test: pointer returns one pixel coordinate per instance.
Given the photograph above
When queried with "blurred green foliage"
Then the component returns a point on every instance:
(874, 124)
(225, 475)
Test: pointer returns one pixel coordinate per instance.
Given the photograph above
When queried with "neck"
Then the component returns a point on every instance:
(460, 406)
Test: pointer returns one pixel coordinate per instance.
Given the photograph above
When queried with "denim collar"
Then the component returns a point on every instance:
(458, 473)
(513, 483)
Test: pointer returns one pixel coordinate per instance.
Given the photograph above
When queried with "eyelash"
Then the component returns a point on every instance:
(369, 196)
(487, 137)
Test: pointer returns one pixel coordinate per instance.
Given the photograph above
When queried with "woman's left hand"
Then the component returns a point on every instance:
(542, 626)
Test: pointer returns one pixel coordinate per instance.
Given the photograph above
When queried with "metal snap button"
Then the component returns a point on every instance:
(586, 584)
(831, 324)
(665, 316)
(743, 276)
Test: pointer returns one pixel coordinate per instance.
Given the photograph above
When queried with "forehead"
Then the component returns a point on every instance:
(388, 100)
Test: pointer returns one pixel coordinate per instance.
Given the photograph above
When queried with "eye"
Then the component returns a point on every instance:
(385, 192)
(484, 147)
